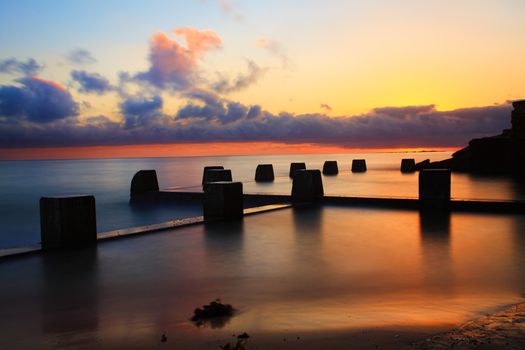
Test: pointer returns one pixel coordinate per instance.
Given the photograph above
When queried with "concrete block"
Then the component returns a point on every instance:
(296, 166)
(408, 165)
(434, 187)
(217, 175)
(358, 166)
(206, 168)
(330, 167)
(264, 173)
(223, 201)
(307, 186)
(67, 221)
(144, 181)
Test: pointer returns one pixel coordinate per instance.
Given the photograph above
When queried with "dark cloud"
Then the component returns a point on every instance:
(241, 82)
(14, 66)
(140, 112)
(209, 118)
(91, 82)
(80, 56)
(36, 100)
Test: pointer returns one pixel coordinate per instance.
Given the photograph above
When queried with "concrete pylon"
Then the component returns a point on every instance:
(223, 201)
(307, 186)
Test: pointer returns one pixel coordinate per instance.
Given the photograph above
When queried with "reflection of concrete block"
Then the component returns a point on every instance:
(358, 166)
(67, 221)
(330, 167)
(217, 175)
(222, 201)
(434, 187)
(307, 186)
(408, 165)
(206, 168)
(264, 173)
(296, 166)
(144, 181)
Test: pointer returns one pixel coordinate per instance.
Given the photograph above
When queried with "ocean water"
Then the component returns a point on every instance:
(22, 183)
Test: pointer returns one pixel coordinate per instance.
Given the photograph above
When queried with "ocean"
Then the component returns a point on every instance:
(22, 183)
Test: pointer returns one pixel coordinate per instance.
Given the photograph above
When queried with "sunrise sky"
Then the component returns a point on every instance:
(231, 77)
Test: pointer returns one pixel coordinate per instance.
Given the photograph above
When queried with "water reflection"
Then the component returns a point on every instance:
(69, 292)
(435, 236)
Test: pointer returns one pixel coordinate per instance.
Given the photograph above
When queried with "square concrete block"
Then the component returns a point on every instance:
(67, 221)
(330, 167)
(296, 166)
(408, 165)
(223, 201)
(264, 173)
(307, 186)
(434, 185)
(206, 168)
(217, 175)
(358, 165)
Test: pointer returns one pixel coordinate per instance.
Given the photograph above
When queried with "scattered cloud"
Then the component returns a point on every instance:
(174, 65)
(80, 57)
(242, 81)
(275, 48)
(91, 82)
(14, 66)
(326, 107)
(36, 100)
(141, 112)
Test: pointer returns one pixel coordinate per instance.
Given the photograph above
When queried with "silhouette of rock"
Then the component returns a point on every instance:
(330, 167)
(67, 221)
(307, 186)
(264, 173)
(408, 165)
(358, 166)
(501, 154)
(296, 166)
(423, 164)
(215, 314)
(144, 181)
(216, 175)
(206, 168)
(223, 201)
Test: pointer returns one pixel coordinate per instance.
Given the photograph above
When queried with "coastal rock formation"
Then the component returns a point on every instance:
(500, 154)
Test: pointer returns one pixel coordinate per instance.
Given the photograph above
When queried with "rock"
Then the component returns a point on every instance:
(163, 338)
(144, 181)
(212, 310)
(423, 165)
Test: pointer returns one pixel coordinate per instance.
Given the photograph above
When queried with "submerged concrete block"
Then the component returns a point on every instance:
(296, 166)
(217, 175)
(144, 181)
(358, 166)
(223, 201)
(206, 168)
(408, 165)
(264, 173)
(307, 186)
(434, 187)
(330, 167)
(67, 221)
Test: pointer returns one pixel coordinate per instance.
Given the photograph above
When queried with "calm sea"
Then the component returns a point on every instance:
(22, 183)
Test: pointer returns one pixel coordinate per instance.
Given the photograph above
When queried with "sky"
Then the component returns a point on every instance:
(225, 76)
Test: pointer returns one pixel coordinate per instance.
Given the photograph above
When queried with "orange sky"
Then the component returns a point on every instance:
(188, 149)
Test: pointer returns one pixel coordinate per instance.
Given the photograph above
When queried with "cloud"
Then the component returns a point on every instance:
(91, 82)
(326, 107)
(140, 112)
(209, 118)
(14, 66)
(242, 81)
(174, 65)
(275, 48)
(37, 100)
(80, 56)
(228, 8)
